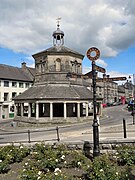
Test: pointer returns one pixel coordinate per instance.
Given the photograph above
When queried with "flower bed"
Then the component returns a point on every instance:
(61, 163)
(11, 154)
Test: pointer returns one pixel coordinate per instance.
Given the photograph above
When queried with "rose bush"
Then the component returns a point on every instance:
(61, 163)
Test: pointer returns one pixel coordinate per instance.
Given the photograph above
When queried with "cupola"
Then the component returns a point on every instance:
(58, 35)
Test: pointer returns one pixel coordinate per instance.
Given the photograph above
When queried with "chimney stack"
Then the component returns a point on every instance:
(23, 65)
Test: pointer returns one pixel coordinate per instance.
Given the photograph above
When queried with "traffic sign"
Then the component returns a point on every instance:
(116, 79)
(111, 79)
(100, 69)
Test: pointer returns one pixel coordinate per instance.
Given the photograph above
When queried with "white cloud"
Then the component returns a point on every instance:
(27, 26)
(118, 74)
(30, 62)
(101, 62)
(86, 69)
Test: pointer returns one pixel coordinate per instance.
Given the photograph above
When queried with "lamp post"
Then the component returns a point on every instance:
(96, 150)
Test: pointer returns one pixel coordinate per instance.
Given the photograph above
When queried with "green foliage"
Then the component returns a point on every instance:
(13, 154)
(79, 160)
(103, 169)
(4, 167)
(126, 155)
(57, 176)
(51, 162)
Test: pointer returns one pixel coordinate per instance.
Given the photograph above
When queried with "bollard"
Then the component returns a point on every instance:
(124, 128)
(58, 137)
(28, 136)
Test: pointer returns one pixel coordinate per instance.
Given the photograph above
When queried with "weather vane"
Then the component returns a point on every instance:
(58, 21)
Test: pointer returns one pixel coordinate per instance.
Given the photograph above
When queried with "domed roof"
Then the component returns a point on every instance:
(58, 32)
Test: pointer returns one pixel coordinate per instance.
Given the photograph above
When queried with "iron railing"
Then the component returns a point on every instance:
(29, 134)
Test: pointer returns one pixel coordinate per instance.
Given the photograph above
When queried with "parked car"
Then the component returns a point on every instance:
(104, 105)
(109, 104)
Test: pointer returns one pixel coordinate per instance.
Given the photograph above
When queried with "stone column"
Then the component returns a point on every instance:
(15, 110)
(37, 110)
(65, 110)
(29, 110)
(87, 109)
(21, 109)
(51, 110)
(78, 110)
(0, 111)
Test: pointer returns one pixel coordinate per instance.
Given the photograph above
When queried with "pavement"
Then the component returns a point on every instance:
(105, 132)
(118, 131)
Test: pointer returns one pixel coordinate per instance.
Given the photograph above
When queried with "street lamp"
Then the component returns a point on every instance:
(96, 150)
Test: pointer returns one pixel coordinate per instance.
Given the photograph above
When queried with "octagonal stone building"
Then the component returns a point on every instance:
(56, 95)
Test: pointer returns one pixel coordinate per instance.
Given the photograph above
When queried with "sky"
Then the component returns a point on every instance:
(26, 27)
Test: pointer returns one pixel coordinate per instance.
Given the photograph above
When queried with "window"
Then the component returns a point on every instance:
(27, 85)
(14, 94)
(14, 84)
(12, 108)
(20, 85)
(6, 83)
(0, 83)
(58, 64)
(5, 96)
(100, 89)
(37, 68)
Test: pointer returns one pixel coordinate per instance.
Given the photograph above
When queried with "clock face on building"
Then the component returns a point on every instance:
(93, 53)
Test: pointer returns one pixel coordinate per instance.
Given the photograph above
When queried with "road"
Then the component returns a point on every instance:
(75, 132)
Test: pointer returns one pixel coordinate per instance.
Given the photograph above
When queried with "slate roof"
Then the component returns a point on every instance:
(56, 91)
(59, 50)
(13, 73)
(89, 74)
(32, 71)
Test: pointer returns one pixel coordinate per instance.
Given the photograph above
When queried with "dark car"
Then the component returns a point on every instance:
(109, 104)
(116, 103)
